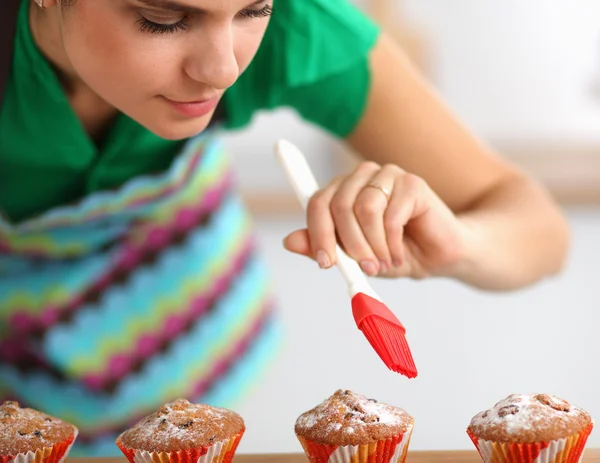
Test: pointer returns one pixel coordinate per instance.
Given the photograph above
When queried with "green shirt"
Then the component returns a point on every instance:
(314, 58)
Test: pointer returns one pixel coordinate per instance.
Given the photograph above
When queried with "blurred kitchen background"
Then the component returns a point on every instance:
(525, 76)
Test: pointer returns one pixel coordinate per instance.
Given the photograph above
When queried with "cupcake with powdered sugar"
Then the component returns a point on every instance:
(349, 427)
(538, 428)
(29, 435)
(183, 431)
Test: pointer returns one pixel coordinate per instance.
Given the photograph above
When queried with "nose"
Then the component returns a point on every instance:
(212, 60)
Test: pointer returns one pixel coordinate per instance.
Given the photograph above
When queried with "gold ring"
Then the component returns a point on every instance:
(380, 187)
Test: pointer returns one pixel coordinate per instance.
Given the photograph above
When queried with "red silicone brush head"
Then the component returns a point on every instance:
(385, 333)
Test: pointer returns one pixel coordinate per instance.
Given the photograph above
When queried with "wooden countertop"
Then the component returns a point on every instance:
(591, 456)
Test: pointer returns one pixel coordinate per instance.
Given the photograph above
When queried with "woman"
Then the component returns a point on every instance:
(128, 276)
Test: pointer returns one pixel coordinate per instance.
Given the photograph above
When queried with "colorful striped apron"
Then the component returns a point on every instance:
(134, 297)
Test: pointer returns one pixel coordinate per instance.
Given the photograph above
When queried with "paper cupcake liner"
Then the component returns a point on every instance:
(392, 450)
(219, 452)
(55, 454)
(567, 450)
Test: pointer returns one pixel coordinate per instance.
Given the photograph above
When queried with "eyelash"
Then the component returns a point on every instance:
(157, 28)
(265, 11)
(183, 25)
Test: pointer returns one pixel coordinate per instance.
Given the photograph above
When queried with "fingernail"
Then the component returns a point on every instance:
(368, 267)
(383, 266)
(323, 259)
(396, 262)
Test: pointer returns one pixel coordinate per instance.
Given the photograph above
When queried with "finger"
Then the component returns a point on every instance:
(369, 209)
(298, 242)
(348, 228)
(405, 204)
(321, 228)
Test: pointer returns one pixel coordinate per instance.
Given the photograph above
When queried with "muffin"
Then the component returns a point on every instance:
(531, 427)
(349, 427)
(29, 435)
(182, 431)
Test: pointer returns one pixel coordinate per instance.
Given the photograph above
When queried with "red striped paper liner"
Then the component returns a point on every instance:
(566, 450)
(219, 452)
(392, 450)
(55, 454)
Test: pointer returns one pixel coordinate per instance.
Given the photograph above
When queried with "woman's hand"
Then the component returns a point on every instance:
(508, 232)
(388, 220)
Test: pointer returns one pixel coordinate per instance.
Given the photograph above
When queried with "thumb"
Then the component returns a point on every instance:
(298, 243)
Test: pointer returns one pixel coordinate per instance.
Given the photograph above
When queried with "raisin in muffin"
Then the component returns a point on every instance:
(548, 427)
(351, 427)
(25, 430)
(181, 426)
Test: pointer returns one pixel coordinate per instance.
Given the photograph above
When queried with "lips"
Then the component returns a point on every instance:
(194, 109)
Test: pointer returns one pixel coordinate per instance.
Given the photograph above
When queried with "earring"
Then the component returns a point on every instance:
(40, 3)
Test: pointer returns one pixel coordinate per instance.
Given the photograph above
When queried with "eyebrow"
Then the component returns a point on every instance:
(176, 6)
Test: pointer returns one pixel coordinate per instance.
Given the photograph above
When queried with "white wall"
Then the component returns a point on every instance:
(516, 69)
(472, 349)
(252, 150)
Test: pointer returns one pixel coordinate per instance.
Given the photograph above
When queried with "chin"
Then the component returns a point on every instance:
(177, 130)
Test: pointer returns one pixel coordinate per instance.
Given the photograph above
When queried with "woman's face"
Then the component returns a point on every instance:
(164, 63)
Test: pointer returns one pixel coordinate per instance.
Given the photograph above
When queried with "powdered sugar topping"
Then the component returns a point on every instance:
(24, 429)
(174, 420)
(357, 411)
(522, 412)
(181, 424)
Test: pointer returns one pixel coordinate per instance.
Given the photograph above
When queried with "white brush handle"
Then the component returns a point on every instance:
(305, 185)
